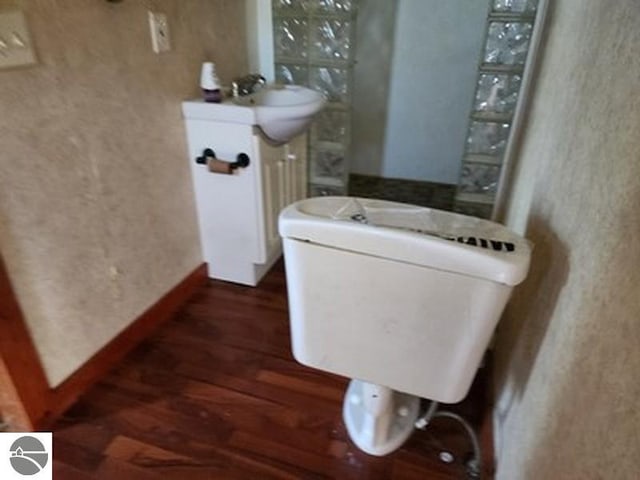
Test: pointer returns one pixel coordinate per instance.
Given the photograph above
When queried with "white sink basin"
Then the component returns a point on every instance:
(281, 112)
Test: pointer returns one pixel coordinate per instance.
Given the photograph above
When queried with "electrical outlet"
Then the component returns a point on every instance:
(15, 44)
(159, 26)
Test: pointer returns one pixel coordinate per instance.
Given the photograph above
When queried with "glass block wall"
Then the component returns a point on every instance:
(509, 29)
(314, 43)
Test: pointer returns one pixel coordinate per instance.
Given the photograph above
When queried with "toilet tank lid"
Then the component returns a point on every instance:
(407, 233)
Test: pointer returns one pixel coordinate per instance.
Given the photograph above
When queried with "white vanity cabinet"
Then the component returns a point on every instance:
(238, 212)
(284, 181)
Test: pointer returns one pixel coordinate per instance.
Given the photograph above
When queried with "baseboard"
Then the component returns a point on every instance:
(64, 395)
(14, 415)
(486, 432)
(24, 390)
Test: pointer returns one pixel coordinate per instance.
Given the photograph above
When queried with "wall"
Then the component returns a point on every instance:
(371, 76)
(259, 30)
(435, 61)
(97, 218)
(567, 351)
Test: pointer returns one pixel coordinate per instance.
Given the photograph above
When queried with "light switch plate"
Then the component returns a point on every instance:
(159, 26)
(16, 48)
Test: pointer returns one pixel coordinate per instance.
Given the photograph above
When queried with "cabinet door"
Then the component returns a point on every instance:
(296, 157)
(274, 191)
(284, 181)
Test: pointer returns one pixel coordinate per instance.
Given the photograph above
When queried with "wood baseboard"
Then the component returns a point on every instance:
(486, 427)
(52, 402)
(64, 395)
(22, 379)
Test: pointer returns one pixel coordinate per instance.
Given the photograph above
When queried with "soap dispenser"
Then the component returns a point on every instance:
(210, 84)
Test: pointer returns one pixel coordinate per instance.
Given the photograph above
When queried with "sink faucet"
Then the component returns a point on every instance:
(247, 85)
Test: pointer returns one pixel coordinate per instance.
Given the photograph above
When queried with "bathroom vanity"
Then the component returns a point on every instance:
(238, 206)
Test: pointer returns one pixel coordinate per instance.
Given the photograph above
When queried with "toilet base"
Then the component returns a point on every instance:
(379, 420)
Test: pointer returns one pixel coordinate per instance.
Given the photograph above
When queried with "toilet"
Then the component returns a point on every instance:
(401, 299)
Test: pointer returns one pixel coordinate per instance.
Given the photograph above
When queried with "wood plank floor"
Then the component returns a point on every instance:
(216, 394)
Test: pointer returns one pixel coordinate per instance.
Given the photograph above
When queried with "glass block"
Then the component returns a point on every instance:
(292, 74)
(333, 82)
(335, 6)
(507, 43)
(331, 126)
(290, 37)
(487, 137)
(290, 5)
(325, 190)
(479, 178)
(331, 39)
(515, 6)
(328, 165)
(497, 93)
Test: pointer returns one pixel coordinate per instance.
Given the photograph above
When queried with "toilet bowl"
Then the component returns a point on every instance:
(401, 299)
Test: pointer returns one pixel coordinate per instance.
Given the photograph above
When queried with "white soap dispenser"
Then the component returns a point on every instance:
(210, 84)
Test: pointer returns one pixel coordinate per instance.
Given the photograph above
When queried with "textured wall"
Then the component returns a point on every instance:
(568, 352)
(97, 218)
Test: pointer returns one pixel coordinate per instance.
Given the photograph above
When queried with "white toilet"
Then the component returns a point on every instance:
(400, 298)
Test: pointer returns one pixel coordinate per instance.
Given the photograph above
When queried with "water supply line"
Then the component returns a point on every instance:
(474, 465)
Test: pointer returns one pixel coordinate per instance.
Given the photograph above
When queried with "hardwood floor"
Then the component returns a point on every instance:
(215, 394)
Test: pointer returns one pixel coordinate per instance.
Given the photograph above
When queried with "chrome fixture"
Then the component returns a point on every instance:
(247, 85)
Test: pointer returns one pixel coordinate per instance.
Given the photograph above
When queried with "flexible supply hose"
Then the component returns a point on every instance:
(474, 466)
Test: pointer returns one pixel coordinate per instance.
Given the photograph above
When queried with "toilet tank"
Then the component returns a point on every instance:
(394, 294)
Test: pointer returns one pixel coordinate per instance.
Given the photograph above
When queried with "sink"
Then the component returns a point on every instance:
(281, 111)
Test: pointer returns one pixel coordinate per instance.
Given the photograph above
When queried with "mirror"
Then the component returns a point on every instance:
(423, 93)
(413, 86)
